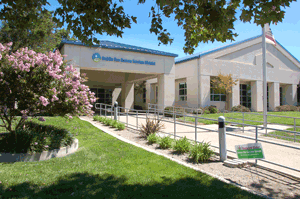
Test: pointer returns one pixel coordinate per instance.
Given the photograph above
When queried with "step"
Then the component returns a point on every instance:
(236, 163)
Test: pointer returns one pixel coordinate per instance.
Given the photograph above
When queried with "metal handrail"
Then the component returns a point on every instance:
(157, 112)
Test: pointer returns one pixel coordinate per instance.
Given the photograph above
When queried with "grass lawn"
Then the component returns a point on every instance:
(105, 167)
(286, 135)
(270, 119)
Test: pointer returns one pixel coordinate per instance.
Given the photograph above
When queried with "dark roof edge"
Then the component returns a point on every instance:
(198, 55)
(142, 49)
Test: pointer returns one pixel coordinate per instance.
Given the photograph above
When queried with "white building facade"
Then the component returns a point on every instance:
(243, 60)
(113, 69)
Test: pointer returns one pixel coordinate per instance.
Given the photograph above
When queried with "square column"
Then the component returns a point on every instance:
(127, 95)
(291, 94)
(257, 95)
(274, 95)
(192, 91)
(235, 95)
(148, 94)
(204, 91)
(166, 90)
(115, 94)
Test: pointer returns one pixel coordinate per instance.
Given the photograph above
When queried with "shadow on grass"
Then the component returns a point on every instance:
(88, 185)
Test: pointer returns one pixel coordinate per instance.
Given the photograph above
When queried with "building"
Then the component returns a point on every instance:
(186, 81)
(244, 61)
(113, 68)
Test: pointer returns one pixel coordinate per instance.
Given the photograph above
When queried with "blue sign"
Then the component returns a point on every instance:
(96, 57)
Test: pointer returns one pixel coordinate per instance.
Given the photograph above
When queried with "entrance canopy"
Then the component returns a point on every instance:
(117, 67)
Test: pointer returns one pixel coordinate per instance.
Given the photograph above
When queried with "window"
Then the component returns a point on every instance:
(182, 92)
(144, 95)
(216, 96)
(245, 95)
(104, 95)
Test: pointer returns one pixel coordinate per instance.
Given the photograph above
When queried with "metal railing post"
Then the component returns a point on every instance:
(184, 114)
(256, 142)
(116, 111)
(137, 120)
(105, 109)
(126, 110)
(295, 129)
(243, 122)
(196, 123)
(174, 124)
(100, 109)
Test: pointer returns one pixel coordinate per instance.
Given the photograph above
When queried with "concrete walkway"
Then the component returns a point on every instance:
(278, 154)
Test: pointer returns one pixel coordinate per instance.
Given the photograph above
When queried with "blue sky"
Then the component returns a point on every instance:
(286, 32)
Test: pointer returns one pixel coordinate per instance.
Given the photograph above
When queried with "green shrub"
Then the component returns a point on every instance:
(206, 112)
(201, 152)
(110, 122)
(212, 109)
(199, 110)
(35, 138)
(182, 145)
(101, 119)
(169, 111)
(105, 121)
(95, 118)
(287, 108)
(120, 126)
(166, 142)
(152, 138)
(151, 126)
(114, 123)
(240, 108)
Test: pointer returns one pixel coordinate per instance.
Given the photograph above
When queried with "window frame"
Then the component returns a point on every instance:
(213, 94)
(182, 97)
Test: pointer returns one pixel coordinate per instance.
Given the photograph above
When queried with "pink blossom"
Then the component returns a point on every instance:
(44, 100)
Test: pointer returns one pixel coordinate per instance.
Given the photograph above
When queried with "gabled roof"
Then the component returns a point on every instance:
(198, 55)
(120, 46)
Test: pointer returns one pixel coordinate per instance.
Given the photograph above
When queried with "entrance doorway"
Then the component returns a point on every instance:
(103, 95)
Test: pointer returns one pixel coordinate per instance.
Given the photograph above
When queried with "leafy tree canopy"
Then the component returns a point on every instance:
(40, 34)
(202, 20)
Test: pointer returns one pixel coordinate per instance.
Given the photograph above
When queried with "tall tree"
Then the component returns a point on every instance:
(223, 84)
(200, 19)
(41, 34)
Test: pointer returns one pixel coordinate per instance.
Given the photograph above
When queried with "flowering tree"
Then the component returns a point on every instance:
(39, 83)
(223, 84)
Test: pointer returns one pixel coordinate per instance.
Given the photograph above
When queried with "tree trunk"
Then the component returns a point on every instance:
(227, 103)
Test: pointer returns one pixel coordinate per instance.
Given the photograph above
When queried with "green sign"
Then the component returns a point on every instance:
(250, 151)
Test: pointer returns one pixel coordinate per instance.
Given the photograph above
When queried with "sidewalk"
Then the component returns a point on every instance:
(275, 153)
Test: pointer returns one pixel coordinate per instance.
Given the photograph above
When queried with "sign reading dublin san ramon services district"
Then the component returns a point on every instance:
(96, 58)
(250, 151)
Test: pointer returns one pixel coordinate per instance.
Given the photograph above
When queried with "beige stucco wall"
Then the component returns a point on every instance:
(82, 56)
(244, 62)
(120, 76)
